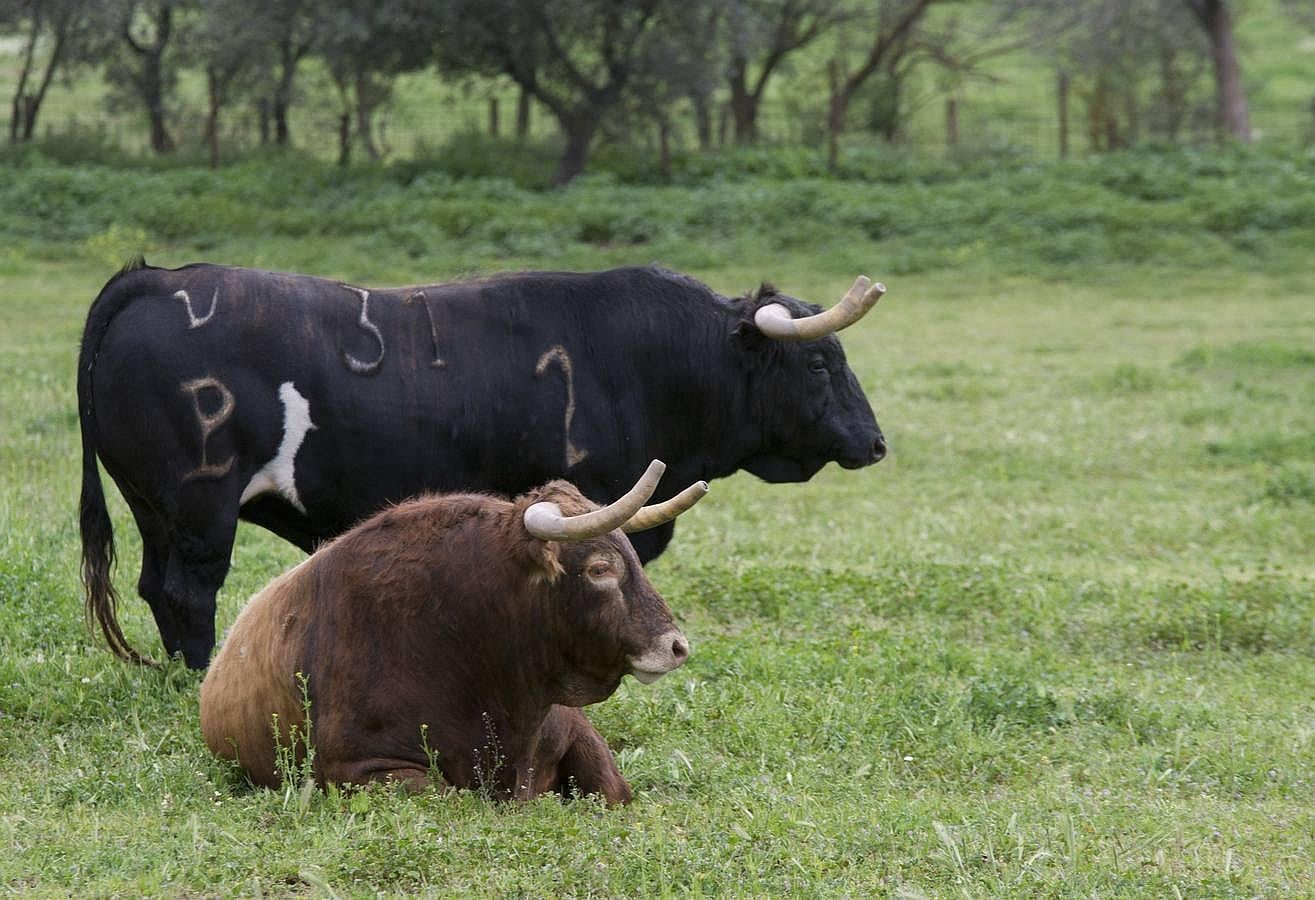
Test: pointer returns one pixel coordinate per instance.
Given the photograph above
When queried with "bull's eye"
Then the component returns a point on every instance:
(817, 365)
(599, 568)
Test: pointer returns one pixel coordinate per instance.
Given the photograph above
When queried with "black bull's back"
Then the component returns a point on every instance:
(304, 405)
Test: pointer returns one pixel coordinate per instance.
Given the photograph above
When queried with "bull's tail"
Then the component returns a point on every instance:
(94, 517)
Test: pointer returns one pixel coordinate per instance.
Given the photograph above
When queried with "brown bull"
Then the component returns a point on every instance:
(457, 633)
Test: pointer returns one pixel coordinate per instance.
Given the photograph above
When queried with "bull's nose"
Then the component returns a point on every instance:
(668, 652)
(879, 449)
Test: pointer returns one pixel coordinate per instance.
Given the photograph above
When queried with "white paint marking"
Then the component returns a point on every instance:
(557, 354)
(356, 365)
(438, 362)
(277, 474)
(194, 321)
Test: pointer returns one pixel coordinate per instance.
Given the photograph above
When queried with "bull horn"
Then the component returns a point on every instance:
(661, 513)
(545, 520)
(774, 319)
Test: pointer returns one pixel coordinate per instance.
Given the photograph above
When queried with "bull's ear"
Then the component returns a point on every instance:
(545, 558)
(748, 338)
(746, 331)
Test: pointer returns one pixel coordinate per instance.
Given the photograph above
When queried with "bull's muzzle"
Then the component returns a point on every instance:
(668, 652)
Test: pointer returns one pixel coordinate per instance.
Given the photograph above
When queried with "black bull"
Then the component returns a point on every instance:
(303, 405)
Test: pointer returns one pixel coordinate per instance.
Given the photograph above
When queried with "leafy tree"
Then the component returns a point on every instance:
(1135, 64)
(887, 35)
(366, 44)
(56, 35)
(291, 28)
(760, 35)
(697, 56)
(581, 59)
(678, 61)
(143, 65)
(230, 39)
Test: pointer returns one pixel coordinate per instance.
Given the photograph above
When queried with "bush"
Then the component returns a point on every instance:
(477, 198)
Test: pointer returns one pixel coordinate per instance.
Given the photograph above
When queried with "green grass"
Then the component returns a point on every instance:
(1061, 642)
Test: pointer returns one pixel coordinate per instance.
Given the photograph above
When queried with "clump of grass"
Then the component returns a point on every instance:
(1289, 486)
(1249, 354)
(1240, 615)
(1206, 415)
(1270, 447)
(1011, 702)
(1130, 378)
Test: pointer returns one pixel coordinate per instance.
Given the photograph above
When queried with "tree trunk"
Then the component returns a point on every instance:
(523, 116)
(366, 102)
(262, 120)
(835, 116)
(151, 87)
(282, 99)
(161, 141)
(150, 79)
(32, 106)
(18, 115)
(494, 118)
(951, 122)
(344, 138)
(282, 134)
(214, 94)
(1230, 97)
(744, 105)
(579, 135)
(702, 117)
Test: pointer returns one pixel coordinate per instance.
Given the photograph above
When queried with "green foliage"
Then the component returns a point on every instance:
(481, 200)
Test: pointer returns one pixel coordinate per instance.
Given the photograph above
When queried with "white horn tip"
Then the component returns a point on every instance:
(870, 296)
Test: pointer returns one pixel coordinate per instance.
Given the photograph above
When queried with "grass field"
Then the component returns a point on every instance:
(1061, 642)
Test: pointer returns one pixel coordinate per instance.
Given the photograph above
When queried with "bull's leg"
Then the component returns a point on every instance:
(588, 766)
(200, 552)
(650, 544)
(150, 584)
(192, 579)
(151, 587)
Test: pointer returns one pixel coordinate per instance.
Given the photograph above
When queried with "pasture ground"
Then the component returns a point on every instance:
(1061, 642)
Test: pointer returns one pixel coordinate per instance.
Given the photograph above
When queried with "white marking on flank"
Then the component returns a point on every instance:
(193, 320)
(557, 354)
(277, 474)
(359, 366)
